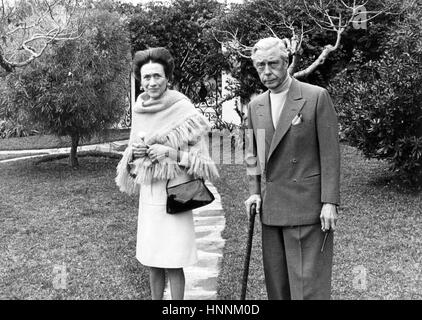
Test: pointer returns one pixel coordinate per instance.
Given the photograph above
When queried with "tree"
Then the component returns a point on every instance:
(380, 101)
(321, 36)
(80, 87)
(27, 28)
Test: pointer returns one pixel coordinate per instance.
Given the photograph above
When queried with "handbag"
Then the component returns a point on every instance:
(188, 196)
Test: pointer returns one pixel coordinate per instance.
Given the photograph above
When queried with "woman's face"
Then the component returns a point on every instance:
(153, 79)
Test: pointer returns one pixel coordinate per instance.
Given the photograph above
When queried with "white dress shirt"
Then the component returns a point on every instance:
(277, 100)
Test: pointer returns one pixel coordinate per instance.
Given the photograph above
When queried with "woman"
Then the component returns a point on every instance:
(167, 144)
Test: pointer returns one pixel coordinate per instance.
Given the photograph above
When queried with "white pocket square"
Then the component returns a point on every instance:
(297, 120)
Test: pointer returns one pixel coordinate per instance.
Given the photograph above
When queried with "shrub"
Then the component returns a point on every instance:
(380, 102)
(10, 129)
(78, 88)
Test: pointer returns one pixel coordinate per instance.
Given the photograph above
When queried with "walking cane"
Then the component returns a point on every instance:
(248, 251)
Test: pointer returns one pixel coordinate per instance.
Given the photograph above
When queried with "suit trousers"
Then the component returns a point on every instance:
(294, 266)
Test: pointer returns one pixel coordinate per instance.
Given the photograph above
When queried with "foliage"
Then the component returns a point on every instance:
(251, 21)
(380, 101)
(28, 28)
(194, 31)
(184, 28)
(13, 121)
(80, 88)
(10, 129)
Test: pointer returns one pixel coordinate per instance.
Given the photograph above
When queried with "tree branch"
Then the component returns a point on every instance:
(328, 49)
(4, 63)
(332, 26)
(315, 10)
(49, 21)
(233, 43)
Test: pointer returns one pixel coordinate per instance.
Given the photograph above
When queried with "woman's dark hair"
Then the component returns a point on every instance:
(158, 55)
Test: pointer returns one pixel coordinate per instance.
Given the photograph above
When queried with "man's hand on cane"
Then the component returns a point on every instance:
(255, 198)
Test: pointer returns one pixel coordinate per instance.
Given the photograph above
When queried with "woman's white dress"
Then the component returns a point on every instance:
(163, 240)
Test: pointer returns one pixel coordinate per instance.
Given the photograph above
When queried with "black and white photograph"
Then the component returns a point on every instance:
(228, 152)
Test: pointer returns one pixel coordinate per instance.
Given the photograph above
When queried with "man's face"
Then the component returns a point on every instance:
(271, 68)
(153, 79)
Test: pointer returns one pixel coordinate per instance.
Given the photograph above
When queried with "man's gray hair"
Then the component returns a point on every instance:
(271, 42)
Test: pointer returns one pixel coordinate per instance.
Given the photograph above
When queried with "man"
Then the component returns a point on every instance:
(293, 144)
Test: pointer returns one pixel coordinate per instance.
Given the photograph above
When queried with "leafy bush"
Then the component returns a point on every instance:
(10, 129)
(12, 120)
(78, 88)
(380, 102)
(248, 21)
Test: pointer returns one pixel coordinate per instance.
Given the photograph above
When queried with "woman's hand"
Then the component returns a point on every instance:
(139, 150)
(158, 152)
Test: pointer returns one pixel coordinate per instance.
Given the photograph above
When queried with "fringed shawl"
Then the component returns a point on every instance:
(171, 120)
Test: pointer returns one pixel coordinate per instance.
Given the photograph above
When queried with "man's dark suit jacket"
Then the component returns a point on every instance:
(301, 162)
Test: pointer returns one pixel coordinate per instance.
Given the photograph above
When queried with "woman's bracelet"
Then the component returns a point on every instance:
(178, 156)
(171, 151)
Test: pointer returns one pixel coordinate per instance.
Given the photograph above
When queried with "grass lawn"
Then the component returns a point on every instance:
(379, 234)
(52, 141)
(51, 215)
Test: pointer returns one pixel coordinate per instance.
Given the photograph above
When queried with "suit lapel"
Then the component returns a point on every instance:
(292, 106)
(263, 112)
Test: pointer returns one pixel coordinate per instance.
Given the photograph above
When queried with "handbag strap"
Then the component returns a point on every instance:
(167, 185)
(168, 180)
